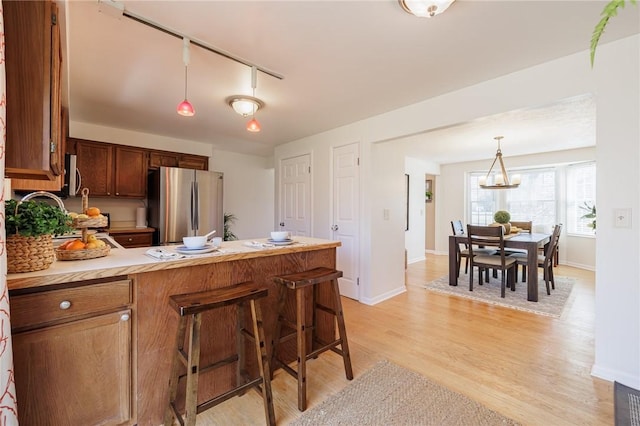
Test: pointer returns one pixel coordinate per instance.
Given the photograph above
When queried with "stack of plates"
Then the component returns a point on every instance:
(280, 242)
(208, 248)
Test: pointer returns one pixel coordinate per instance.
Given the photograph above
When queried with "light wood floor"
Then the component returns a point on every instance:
(531, 368)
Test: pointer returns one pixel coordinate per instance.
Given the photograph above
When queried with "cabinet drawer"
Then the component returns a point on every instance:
(134, 239)
(30, 310)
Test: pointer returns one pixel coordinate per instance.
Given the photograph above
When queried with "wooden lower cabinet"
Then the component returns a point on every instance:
(79, 370)
(133, 239)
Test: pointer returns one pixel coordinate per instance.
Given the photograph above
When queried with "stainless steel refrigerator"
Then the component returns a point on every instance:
(184, 202)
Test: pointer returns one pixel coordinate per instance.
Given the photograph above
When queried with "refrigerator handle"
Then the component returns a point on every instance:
(196, 211)
(193, 202)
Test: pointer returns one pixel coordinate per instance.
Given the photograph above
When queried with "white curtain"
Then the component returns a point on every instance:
(8, 403)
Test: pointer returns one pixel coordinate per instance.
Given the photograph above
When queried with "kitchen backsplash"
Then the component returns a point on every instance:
(122, 211)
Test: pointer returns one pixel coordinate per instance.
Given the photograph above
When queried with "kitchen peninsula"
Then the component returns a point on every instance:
(93, 340)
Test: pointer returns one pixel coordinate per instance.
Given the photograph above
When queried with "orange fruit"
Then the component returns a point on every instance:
(64, 245)
(76, 245)
(92, 211)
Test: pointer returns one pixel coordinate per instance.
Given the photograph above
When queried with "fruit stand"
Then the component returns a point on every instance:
(88, 246)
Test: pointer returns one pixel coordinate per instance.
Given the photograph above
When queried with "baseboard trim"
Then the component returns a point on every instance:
(619, 376)
(384, 296)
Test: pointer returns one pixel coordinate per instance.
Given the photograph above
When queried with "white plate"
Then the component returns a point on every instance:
(206, 249)
(280, 242)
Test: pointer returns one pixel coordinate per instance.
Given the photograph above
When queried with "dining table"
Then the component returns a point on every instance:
(526, 241)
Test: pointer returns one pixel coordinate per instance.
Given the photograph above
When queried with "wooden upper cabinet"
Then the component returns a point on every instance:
(130, 172)
(176, 159)
(163, 159)
(33, 86)
(197, 162)
(95, 165)
(111, 170)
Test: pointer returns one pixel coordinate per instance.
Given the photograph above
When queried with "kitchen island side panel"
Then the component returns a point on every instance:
(157, 322)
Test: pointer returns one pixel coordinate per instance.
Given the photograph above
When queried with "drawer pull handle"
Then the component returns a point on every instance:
(124, 317)
(65, 304)
(130, 239)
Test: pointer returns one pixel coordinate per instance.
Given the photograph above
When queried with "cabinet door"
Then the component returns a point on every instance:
(130, 172)
(77, 373)
(139, 239)
(196, 162)
(29, 33)
(95, 164)
(162, 159)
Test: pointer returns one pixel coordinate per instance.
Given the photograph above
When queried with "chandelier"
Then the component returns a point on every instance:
(499, 180)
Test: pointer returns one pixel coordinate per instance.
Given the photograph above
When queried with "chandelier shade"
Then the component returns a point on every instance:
(500, 179)
(425, 8)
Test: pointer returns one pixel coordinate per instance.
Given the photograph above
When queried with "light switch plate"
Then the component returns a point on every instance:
(622, 218)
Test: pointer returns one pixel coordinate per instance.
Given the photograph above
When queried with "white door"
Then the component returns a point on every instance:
(346, 216)
(295, 195)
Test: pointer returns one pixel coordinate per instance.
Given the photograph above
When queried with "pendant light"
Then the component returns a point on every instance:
(501, 179)
(253, 125)
(185, 108)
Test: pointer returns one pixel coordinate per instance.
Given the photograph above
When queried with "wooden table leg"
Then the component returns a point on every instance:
(532, 273)
(453, 273)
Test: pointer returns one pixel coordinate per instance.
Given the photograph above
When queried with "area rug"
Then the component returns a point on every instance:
(388, 394)
(490, 293)
(627, 405)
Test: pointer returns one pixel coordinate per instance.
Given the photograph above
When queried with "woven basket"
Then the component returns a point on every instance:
(82, 254)
(96, 222)
(28, 254)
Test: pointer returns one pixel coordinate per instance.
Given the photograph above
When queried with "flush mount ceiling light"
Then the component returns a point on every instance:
(244, 105)
(248, 105)
(425, 8)
(185, 108)
(501, 179)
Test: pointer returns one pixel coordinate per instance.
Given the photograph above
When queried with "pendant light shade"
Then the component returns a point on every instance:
(253, 126)
(185, 108)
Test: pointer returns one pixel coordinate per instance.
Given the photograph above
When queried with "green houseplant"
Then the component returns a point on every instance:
(30, 226)
(229, 219)
(610, 10)
(503, 217)
(591, 214)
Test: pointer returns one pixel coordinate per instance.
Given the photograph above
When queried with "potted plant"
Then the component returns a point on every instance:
(30, 226)
(503, 217)
(591, 214)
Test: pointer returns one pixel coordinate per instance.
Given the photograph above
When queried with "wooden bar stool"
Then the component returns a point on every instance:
(190, 308)
(299, 282)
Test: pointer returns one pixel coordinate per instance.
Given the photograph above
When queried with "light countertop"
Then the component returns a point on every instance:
(134, 260)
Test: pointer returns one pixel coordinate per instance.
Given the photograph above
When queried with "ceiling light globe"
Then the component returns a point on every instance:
(425, 8)
(186, 109)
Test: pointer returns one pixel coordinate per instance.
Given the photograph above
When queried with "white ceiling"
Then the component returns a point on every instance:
(342, 61)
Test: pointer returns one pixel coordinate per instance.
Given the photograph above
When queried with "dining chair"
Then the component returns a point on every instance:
(523, 226)
(463, 252)
(490, 237)
(544, 261)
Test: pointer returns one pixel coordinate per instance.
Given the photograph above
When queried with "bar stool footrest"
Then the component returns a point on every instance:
(230, 394)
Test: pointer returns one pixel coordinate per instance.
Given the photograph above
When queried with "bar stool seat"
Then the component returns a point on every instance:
(190, 307)
(298, 282)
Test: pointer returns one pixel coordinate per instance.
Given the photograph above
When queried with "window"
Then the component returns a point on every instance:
(581, 192)
(534, 199)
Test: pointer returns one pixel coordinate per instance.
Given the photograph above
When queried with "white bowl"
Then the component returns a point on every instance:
(194, 242)
(279, 235)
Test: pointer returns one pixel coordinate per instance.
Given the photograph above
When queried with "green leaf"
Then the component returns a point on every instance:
(610, 10)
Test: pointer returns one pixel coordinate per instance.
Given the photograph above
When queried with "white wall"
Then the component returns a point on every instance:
(614, 82)
(248, 179)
